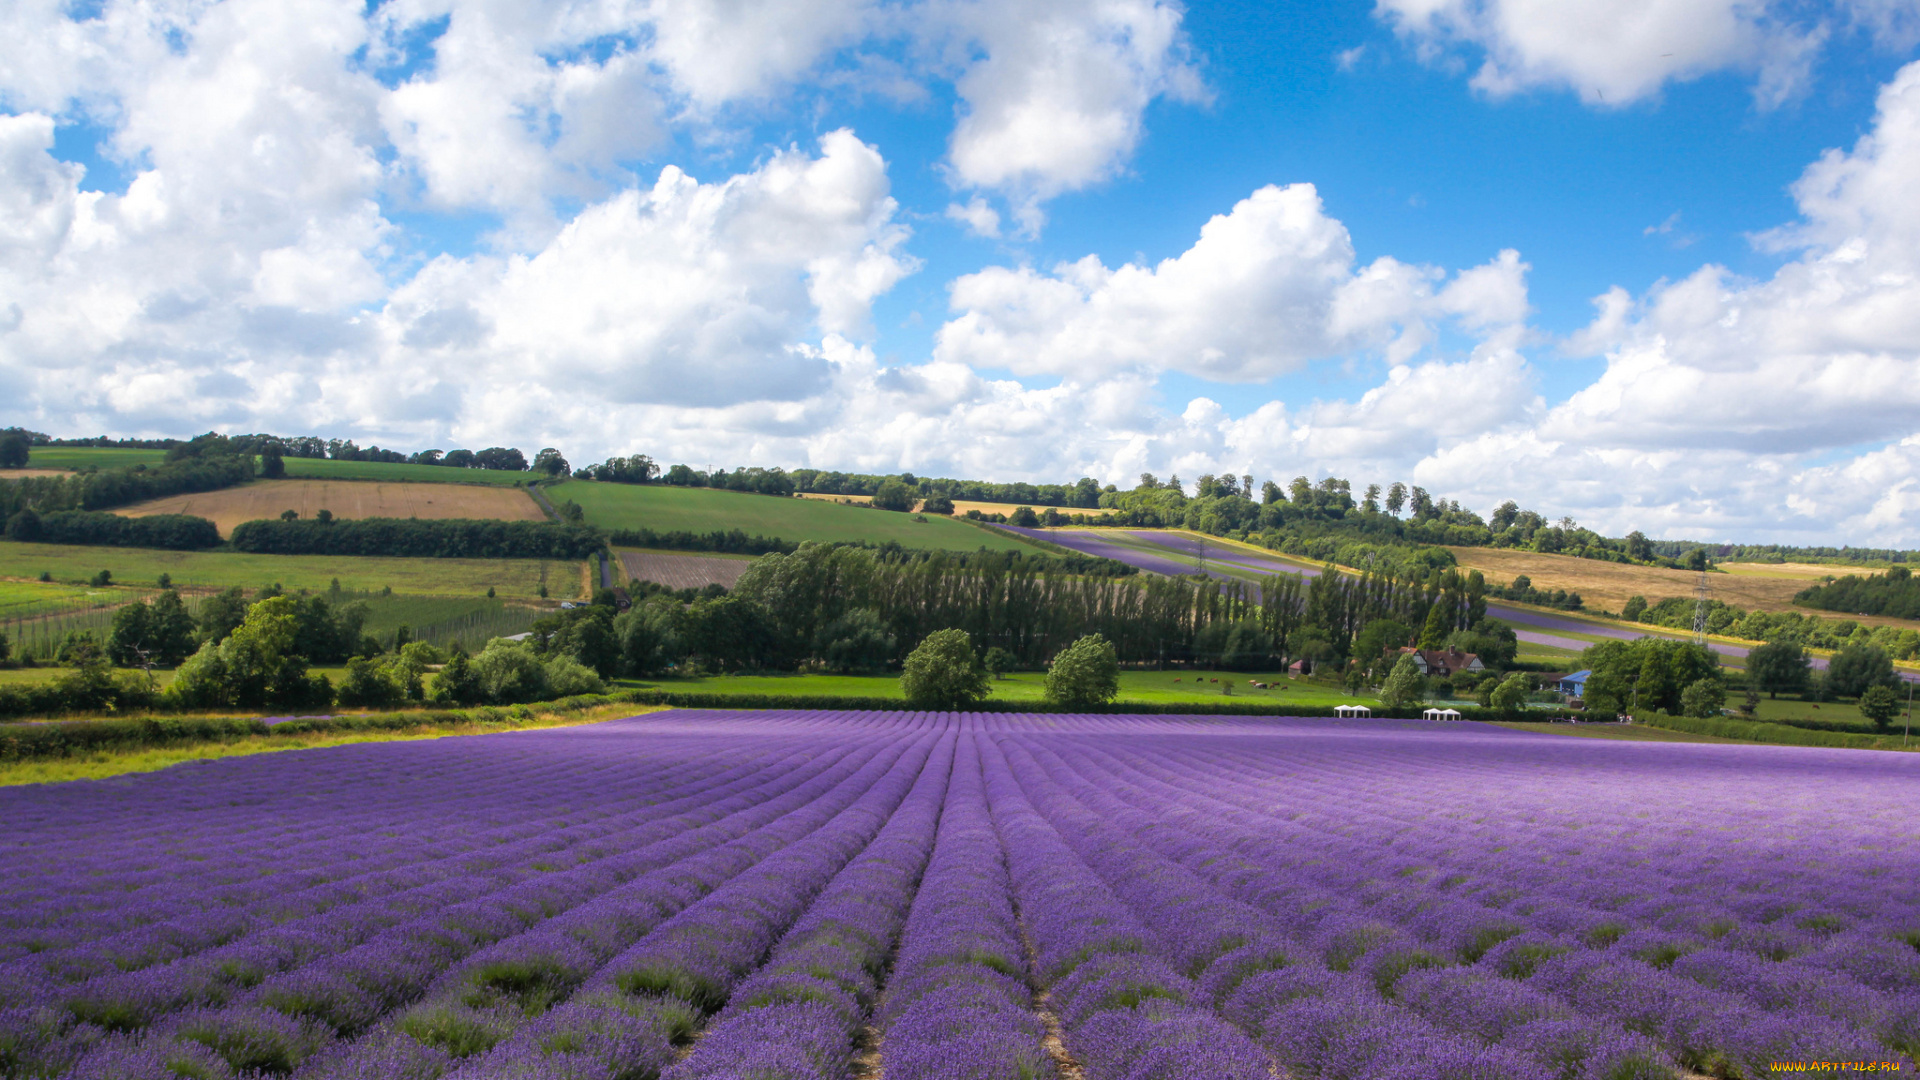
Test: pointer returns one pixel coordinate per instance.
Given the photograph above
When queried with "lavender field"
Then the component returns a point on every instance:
(918, 896)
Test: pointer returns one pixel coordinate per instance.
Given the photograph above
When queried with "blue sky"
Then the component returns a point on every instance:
(735, 232)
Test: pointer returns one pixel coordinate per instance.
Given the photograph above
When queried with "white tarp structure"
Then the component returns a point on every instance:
(1352, 710)
(1441, 714)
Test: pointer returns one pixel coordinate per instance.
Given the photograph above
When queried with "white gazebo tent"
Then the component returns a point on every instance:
(1440, 714)
(1352, 710)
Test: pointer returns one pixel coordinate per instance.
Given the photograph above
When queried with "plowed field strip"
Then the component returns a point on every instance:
(683, 571)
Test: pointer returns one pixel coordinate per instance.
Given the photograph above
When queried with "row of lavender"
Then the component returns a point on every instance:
(795, 895)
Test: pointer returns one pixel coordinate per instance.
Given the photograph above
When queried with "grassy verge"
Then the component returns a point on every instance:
(145, 744)
(1616, 732)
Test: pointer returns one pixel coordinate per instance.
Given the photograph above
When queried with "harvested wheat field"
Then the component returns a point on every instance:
(21, 474)
(683, 571)
(1606, 586)
(346, 499)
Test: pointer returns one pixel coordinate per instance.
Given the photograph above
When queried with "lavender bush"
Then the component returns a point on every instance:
(808, 896)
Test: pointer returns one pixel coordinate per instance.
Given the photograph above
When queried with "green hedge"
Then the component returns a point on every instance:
(1777, 734)
(67, 738)
(447, 538)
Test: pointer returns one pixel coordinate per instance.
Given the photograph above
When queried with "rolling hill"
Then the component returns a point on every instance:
(699, 510)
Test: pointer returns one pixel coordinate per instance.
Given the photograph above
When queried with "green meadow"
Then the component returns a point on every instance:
(34, 599)
(397, 472)
(91, 457)
(699, 510)
(1161, 687)
(221, 569)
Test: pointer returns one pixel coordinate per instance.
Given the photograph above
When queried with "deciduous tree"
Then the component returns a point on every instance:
(1880, 705)
(1777, 666)
(1086, 672)
(1404, 685)
(943, 673)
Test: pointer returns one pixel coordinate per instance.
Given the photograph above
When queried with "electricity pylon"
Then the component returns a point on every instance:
(1700, 610)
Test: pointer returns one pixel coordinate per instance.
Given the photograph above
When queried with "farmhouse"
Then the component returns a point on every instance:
(1441, 663)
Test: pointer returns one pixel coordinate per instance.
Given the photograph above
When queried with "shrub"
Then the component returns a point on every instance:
(998, 662)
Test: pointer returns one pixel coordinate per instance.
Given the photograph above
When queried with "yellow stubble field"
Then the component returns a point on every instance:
(1605, 585)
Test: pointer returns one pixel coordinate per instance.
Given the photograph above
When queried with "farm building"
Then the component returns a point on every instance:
(1441, 663)
(1574, 684)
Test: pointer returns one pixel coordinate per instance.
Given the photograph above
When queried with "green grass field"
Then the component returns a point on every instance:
(675, 509)
(440, 620)
(1135, 686)
(82, 457)
(324, 469)
(220, 569)
(34, 599)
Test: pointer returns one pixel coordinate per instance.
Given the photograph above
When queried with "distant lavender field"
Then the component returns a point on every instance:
(918, 896)
(1530, 626)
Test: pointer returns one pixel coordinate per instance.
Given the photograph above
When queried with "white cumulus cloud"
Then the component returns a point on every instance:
(682, 294)
(1266, 288)
(1614, 52)
(1054, 101)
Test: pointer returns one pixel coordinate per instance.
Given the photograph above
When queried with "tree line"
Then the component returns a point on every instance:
(173, 532)
(1797, 628)
(852, 609)
(440, 538)
(1894, 593)
(104, 489)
